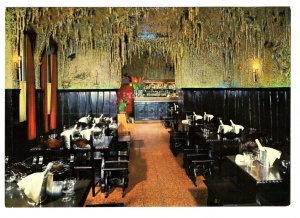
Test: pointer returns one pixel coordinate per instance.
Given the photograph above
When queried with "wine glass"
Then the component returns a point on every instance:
(68, 188)
(19, 177)
(9, 178)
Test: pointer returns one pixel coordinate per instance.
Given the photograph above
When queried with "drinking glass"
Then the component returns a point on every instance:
(18, 178)
(255, 154)
(102, 137)
(9, 178)
(251, 160)
(68, 188)
(247, 158)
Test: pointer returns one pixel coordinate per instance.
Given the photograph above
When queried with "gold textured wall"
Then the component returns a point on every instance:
(253, 51)
(10, 67)
(154, 67)
(89, 71)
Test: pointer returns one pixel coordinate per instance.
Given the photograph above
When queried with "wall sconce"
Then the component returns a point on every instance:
(254, 73)
(19, 68)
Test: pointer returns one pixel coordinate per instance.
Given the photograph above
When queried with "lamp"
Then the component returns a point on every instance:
(254, 73)
(19, 68)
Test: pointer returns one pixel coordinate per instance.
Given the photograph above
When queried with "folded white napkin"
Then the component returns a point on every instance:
(272, 153)
(208, 117)
(239, 159)
(32, 184)
(196, 116)
(185, 122)
(86, 119)
(66, 134)
(236, 128)
(86, 133)
(258, 144)
(113, 126)
(97, 119)
(224, 128)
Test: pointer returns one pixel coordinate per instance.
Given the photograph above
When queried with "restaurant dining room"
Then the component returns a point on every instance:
(147, 107)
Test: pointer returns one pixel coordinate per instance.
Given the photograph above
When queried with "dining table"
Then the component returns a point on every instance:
(220, 145)
(259, 180)
(16, 198)
(259, 173)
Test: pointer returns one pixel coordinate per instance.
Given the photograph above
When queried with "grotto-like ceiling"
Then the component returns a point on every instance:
(161, 28)
(168, 32)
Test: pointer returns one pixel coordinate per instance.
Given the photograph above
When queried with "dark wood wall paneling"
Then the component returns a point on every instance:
(264, 109)
(17, 144)
(11, 119)
(267, 110)
(73, 104)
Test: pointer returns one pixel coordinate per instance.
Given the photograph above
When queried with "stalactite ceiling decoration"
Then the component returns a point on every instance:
(201, 43)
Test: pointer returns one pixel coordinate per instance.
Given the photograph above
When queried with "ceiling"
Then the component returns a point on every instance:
(97, 26)
(136, 31)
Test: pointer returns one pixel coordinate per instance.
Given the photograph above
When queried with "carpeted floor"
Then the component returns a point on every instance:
(157, 178)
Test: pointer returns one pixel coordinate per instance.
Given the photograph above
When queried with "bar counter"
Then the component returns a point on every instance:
(153, 108)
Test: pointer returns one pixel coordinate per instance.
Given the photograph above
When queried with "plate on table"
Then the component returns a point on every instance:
(59, 167)
(81, 143)
(53, 143)
(20, 167)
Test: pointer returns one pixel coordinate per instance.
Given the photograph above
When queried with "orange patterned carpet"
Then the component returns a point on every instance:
(157, 178)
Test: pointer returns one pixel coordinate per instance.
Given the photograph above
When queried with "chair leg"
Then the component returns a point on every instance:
(185, 164)
(125, 182)
(93, 183)
(190, 170)
(123, 187)
(106, 188)
(93, 190)
(194, 176)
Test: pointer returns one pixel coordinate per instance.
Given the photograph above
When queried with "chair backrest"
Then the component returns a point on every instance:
(76, 135)
(97, 132)
(81, 145)
(117, 156)
(81, 152)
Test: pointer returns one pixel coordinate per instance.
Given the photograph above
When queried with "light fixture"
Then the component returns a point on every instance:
(255, 70)
(255, 79)
(19, 68)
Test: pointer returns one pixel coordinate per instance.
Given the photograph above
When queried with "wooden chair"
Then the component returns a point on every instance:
(177, 141)
(82, 161)
(115, 171)
(187, 152)
(199, 164)
(123, 142)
